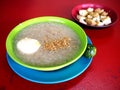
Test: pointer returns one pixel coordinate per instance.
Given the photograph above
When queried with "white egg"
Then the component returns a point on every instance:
(28, 45)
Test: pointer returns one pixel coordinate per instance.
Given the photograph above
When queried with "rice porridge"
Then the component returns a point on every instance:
(46, 44)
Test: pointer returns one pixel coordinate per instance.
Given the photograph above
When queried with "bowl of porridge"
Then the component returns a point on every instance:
(46, 43)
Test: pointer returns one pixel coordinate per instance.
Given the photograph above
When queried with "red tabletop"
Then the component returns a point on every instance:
(104, 71)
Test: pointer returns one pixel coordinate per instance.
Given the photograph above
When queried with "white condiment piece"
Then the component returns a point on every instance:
(83, 12)
(107, 20)
(100, 24)
(82, 20)
(90, 9)
(28, 45)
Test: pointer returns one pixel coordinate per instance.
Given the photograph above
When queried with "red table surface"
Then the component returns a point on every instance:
(104, 71)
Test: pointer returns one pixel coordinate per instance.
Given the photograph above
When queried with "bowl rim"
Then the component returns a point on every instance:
(26, 23)
(86, 5)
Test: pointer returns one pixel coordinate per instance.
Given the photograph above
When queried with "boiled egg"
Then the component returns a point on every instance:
(28, 45)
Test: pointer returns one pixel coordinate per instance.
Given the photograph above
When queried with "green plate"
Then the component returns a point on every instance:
(76, 28)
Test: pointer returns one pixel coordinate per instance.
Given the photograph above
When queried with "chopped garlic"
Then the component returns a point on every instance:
(28, 45)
